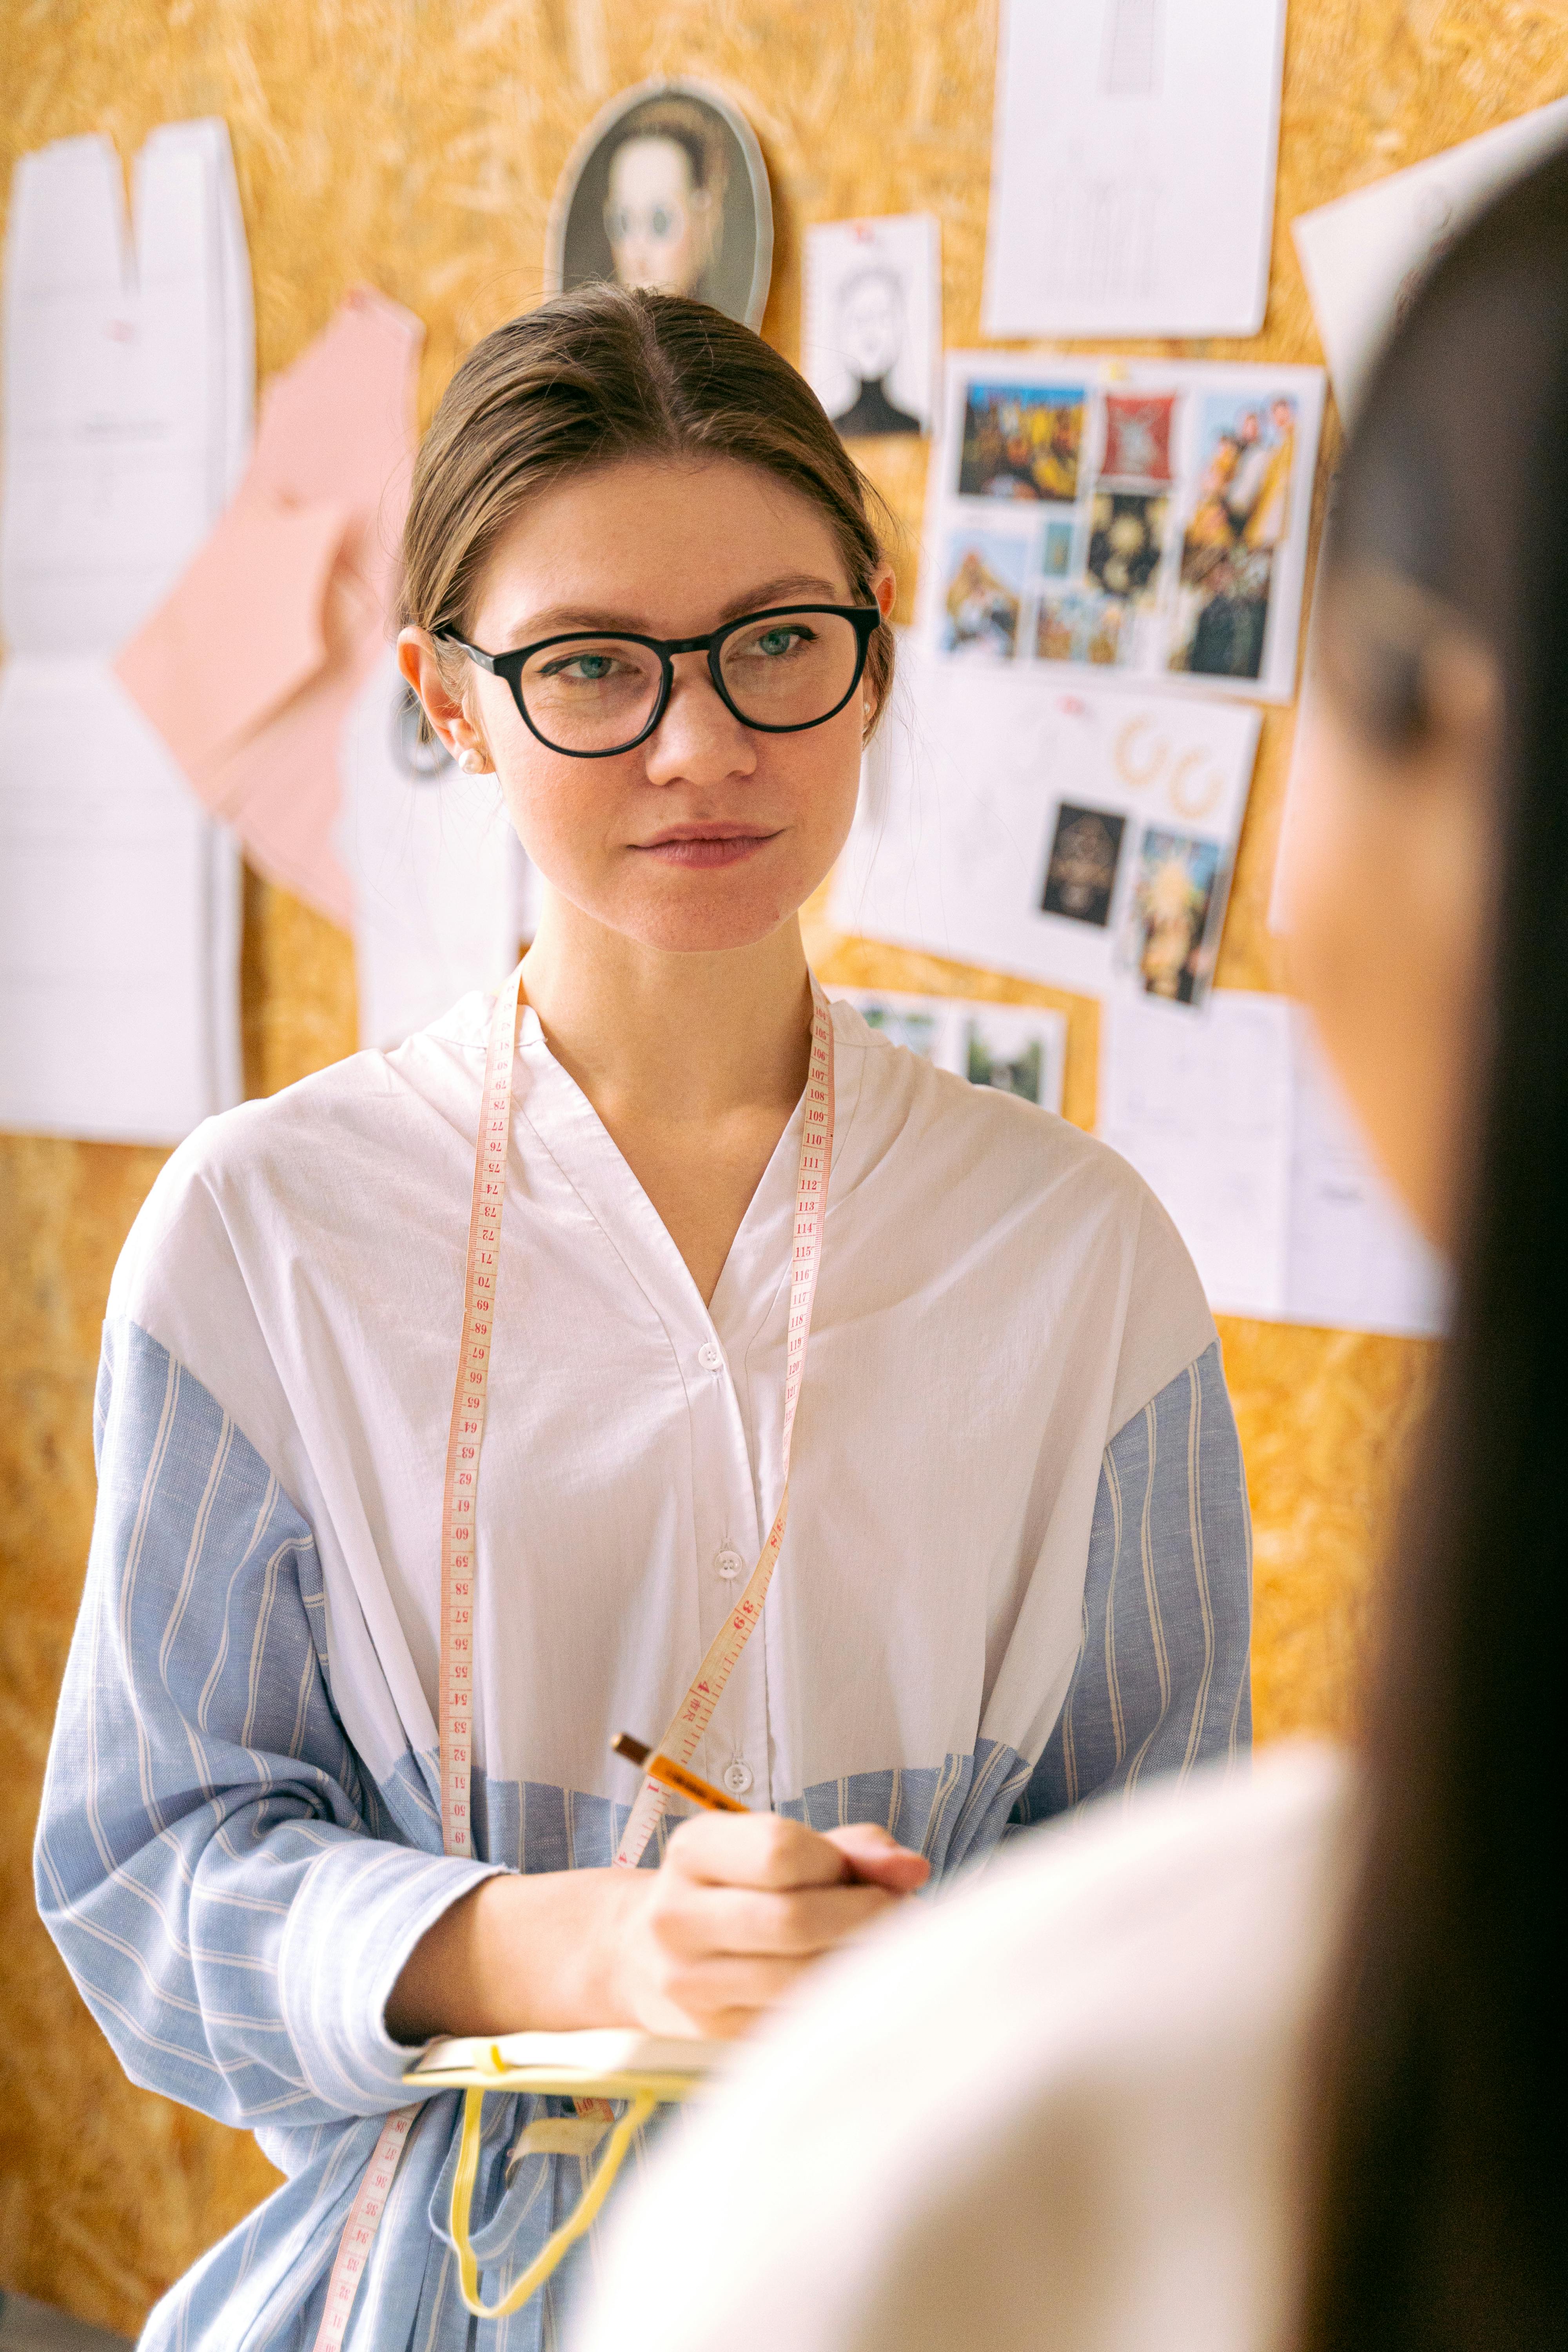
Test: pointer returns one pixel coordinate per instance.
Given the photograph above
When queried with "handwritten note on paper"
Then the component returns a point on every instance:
(1237, 1127)
(1079, 838)
(127, 409)
(1132, 185)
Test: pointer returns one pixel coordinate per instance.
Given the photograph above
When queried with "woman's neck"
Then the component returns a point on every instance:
(679, 1038)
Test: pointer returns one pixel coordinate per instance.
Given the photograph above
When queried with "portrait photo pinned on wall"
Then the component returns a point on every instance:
(1081, 874)
(873, 322)
(666, 189)
(985, 593)
(1234, 535)
(1176, 910)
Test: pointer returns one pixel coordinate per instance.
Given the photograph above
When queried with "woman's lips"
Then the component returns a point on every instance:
(703, 849)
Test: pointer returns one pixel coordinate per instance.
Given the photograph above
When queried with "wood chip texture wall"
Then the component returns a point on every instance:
(414, 144)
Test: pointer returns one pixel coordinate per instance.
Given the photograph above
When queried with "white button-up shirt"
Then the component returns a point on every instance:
(1015, 1568)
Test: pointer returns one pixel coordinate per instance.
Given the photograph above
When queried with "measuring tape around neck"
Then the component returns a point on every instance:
(459, 1530)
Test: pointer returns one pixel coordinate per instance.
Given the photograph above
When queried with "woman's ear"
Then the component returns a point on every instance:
(884, 588)
(421, 665)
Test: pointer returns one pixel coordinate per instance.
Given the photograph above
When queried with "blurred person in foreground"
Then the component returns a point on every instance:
(1279, 2063)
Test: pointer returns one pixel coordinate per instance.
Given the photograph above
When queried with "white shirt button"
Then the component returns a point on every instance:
(737, 1778)
(729, 1562)
(710, 1355)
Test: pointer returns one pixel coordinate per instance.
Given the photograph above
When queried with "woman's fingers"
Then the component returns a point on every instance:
(753, 1850)
(752, 1920)
(879, 1859)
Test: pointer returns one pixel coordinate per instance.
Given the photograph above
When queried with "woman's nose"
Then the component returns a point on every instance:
(698, 737)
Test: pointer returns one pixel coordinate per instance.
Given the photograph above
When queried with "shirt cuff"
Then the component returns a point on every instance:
(353, 1923)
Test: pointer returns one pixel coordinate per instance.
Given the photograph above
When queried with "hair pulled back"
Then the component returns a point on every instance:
(605, 372)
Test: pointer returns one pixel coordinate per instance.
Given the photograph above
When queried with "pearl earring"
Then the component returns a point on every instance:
(472, 764)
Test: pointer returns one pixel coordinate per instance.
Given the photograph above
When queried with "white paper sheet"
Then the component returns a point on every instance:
(1239, 1126)
(1011, 821)
(129, 387)
(435, 865)
(1020, 1049)
(1364, 254)
(872, 340)
(1133, 185)
(1131, 522)
(1203, 1111)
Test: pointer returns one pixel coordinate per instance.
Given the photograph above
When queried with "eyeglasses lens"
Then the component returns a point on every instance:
(591, 694)
(791, 669)
(598, 694)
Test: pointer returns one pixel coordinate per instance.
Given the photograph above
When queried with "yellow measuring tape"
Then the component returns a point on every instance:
(557, 2245)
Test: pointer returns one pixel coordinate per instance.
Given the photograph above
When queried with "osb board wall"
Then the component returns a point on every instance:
(415, 143)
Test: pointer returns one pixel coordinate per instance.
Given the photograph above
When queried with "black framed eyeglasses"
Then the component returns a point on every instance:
(591, 693)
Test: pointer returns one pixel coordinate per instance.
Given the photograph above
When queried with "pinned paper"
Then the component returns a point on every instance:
(129, 374)
(438, 874)
(251, 667)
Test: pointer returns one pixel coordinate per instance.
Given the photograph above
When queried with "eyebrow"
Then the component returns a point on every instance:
(558, 618)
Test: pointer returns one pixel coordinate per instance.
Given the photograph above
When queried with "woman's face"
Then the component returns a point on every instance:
(708, 836)
(1390, 882)
(659, 226)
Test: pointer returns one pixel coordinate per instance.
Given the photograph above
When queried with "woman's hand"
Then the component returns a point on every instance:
(742, 1904)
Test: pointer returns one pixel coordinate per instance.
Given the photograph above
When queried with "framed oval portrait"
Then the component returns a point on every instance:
(667, 188)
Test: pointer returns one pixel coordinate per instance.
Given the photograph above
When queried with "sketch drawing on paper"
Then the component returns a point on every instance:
(666, 189)
(1234, 534)
(873, 322)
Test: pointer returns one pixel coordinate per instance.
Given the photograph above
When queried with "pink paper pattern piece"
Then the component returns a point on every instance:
(250, 667)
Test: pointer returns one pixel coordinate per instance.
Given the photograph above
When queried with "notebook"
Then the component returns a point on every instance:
(604, 2062)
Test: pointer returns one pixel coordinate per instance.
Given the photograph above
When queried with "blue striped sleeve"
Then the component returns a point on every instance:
(205, 1858)
(1163, 1676)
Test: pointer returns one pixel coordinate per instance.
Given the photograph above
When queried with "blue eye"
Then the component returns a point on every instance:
(782, 640)
(580, 669)
(661, 222)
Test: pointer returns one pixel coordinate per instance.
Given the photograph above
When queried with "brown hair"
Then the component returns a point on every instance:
(604, 372)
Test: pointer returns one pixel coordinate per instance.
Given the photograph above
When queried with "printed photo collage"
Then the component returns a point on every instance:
(1141, 523)
(1018, 1049)
(1083, 839)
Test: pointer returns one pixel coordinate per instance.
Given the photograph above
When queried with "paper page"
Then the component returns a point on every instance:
(435, 866)
(1356, 1260)
(1239, 1126)
(1082, 839)
(107, 913)
(873, 322)
(1202, 1110)
(318, 517)
(1365, 255)
(1129, 522)
(1019, 1049)
(127, 414)
(1132, 185)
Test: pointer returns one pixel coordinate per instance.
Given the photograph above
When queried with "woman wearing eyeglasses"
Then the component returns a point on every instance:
(643, 588)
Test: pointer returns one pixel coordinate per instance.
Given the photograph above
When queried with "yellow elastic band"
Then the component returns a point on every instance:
(550, 2254)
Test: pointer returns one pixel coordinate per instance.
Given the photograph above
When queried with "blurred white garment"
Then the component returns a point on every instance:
(1063, 2107)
